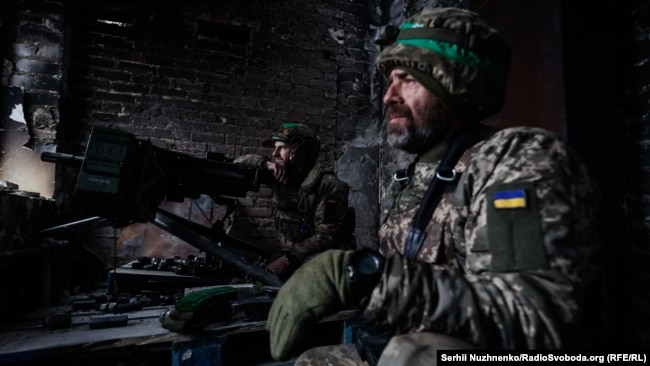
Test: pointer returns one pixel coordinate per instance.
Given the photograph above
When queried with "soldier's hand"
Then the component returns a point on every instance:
(278, 170)
(279, 266)
(318, 288)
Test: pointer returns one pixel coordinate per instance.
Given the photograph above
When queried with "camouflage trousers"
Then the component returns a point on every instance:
(414, 349)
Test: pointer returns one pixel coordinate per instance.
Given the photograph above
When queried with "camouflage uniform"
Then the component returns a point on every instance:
(510, 277)
(312, 216)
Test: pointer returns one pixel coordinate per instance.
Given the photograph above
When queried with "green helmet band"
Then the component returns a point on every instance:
(300, 137)
(294, 134)
(451, 47)
(455, 54)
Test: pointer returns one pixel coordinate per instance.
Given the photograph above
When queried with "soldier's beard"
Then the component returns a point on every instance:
(418, 136)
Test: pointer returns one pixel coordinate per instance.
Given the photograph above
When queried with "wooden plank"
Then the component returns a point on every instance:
(31, 341)
(26, 344)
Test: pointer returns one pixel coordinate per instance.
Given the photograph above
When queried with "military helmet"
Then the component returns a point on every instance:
(455, 54)
(303, 140)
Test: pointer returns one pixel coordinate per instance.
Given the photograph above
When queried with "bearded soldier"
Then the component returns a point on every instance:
(310, 203)
(487, 239)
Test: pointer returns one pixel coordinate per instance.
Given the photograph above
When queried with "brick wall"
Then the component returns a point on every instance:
(203, 77)
(195, 77)
(32, 79)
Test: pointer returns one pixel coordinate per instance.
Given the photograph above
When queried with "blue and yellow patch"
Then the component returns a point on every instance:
(512, 198)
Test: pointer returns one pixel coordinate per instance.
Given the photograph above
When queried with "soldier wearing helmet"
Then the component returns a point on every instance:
(487, 239)
(310, 203)
(295, 146)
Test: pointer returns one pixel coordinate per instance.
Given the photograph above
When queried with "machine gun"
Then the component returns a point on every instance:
(123, 180)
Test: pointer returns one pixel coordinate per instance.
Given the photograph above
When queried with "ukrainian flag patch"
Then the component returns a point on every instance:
(512, 198)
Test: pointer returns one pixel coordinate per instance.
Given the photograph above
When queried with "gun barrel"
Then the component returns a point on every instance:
(52, 157)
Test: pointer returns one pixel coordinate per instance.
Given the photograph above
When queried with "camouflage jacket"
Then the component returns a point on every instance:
(311, 216)
(509, 251)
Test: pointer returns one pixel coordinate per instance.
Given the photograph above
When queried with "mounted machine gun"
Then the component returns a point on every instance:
(123, 180)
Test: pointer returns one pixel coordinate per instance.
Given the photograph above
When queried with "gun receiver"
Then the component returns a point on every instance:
(124, 179)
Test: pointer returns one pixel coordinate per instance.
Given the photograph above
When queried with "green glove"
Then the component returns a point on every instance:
(318, 288)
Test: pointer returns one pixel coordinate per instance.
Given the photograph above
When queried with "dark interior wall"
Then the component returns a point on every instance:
(606, 54)
(535, 94)
(206, 76)
(203, 77)
(597, 132)
(193, 77)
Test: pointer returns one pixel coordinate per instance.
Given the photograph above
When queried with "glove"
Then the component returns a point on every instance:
(318, 288)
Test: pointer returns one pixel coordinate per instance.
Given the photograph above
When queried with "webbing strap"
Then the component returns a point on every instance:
(445, 173)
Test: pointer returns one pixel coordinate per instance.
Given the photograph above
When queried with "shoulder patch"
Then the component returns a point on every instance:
(509, 198)
(331, 212)
(514, 228)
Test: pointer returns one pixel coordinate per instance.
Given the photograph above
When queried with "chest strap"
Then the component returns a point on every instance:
(445, 173)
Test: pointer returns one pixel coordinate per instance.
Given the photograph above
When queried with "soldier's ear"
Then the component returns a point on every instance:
(298, 156)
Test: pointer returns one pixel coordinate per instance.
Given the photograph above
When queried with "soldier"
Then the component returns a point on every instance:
(311, 203)
(500, 254)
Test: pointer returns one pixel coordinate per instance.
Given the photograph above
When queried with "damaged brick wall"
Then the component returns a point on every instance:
(32, 79)
(32, 270)
(203, 77)
(195, 77)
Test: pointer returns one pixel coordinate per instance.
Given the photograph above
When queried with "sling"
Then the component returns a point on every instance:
(445, 173)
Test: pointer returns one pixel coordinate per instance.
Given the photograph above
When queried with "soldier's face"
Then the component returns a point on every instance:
(417, 119)
(281, 152)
